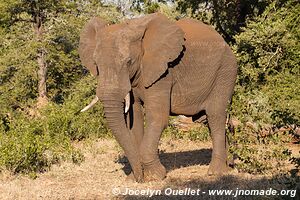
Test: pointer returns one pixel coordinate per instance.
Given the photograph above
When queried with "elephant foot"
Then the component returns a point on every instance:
(218, 167)
(130, 177)
(154, 171)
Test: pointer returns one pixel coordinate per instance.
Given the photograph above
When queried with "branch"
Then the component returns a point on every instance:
(228, 38)
(15, 20)
(278, 49)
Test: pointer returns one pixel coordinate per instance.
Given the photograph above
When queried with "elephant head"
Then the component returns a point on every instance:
(118, 54)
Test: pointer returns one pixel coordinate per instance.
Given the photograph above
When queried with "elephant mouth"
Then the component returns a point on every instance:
(96, 99)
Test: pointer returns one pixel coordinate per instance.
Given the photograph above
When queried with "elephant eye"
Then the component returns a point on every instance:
(129, 62)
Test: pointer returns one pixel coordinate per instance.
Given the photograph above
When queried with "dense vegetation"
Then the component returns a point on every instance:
(43, 85)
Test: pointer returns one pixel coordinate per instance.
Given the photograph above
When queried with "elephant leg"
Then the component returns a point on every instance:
(216, 115)
(156, 121)
(135, 123)
(157, 109)
(135, 120)
(218, 164)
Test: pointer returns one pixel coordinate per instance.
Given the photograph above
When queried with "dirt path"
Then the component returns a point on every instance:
(102, 171)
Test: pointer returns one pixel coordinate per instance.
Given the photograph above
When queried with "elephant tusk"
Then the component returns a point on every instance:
(94, 101)
(127, 102)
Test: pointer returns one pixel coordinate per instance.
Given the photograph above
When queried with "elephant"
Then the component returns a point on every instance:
(151, 67)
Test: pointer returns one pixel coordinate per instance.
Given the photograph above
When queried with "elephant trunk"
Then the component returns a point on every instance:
(114, 112)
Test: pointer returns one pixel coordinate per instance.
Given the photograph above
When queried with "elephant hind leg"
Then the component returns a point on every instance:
(216, 106)
(218, 164)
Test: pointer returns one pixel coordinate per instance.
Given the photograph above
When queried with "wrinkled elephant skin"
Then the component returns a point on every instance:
(166, 67)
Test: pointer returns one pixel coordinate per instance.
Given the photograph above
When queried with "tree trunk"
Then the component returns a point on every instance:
(42, 65)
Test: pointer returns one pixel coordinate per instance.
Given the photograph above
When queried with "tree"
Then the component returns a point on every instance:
(269, 58)
(28, 134)
(226, 15)
(37, 13)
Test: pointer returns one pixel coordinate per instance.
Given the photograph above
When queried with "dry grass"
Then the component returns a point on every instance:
(103, 170)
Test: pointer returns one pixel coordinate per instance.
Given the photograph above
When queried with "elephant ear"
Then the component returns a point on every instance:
(88, 41)
(162, 42)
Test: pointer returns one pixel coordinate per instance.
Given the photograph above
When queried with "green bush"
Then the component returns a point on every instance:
(195, 133)
(31, 139)
(32, 143)
(66, 118)
(261, 159)
(28, 147)
(267, 95)
(258, 153)
(268, 51)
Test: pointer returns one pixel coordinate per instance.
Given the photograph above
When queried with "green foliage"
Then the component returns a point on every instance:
(259, 152)
(145, 6)
(33, 143)
(172, 131)
(268, 51)
(148, 7)
(267, 95)
(30, 139)
(169, 10)
(261, 159)
(151, 7)
(197, 133)
(19, 47)
(27, 148)
(251, 106)
(226, 15)
(17, 70)
(66, 119)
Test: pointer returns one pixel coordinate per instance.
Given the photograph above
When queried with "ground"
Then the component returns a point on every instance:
(103, 170)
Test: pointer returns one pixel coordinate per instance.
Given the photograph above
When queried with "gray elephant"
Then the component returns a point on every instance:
(154, 67)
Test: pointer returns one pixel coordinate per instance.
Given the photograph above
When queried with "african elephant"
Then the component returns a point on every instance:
(154, 67)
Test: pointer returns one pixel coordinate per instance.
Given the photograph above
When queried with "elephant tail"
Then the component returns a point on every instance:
(229, 121)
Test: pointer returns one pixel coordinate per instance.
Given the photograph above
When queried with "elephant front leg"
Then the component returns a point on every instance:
(157, 110)
(135, 120)
(135, 124)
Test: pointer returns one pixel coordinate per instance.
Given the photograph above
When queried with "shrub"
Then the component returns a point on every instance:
(256, 153)
(33, 143)
(28, 147)
(67, 119)
(196, 132)
(267, 93)
(268, 53)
